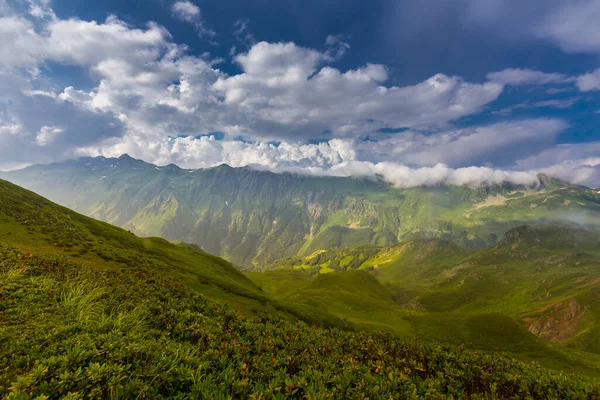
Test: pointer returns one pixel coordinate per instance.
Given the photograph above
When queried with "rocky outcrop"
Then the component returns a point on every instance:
(559, 323)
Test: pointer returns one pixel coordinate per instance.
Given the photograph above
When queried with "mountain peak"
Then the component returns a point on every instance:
(225, 167)
(547, 180)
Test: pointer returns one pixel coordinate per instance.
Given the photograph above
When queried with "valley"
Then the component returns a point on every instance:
(538, 287)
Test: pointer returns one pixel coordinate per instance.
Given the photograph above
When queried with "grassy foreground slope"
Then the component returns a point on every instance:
(71, 331)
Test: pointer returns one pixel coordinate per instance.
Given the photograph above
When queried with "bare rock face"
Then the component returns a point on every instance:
(559, 323)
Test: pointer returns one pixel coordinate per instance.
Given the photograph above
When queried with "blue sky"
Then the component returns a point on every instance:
(489, 89)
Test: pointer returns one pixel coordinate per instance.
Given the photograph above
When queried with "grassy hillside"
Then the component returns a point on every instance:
(255, 218)
(38, 226)
(535, 294)
(71, 331)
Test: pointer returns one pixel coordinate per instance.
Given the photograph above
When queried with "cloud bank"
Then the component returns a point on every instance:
(288, 109)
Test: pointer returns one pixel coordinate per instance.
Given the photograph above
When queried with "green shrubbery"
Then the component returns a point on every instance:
(73, 332)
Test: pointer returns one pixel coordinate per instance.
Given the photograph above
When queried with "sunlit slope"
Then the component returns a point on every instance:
(255, 218)
(535, 294)
(36, 225)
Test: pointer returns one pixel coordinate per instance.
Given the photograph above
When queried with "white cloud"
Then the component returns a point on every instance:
(285, 89)
(336, 46)
(48, 134)
(571, 162)
(573, 25)
(41, 9)
(553, 103)
(584, 172)
(189, 12)
(242, 34)
(402, 176)
(147, 88)
(589, 81)
(21, 45)
(185, 10)
(38, 126)
(519, 76)
(276, 60)
(497, 144)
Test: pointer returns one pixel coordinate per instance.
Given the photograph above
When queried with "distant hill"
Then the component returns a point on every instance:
(254, 218)
(541, 279)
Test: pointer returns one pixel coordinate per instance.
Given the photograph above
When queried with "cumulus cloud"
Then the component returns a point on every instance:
(39, 126)
(285, 88)
(47, 134)
(153, 99)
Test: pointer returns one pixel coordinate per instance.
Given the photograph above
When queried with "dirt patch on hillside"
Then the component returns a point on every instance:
(560, 323)
(354, 225)
(316, 253)
(498, 200)
(452, 272)
(591, 283)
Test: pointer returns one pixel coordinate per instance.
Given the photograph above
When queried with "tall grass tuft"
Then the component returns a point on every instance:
(83, 299)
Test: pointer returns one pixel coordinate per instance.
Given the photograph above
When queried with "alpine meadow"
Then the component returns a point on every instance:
(299, 200)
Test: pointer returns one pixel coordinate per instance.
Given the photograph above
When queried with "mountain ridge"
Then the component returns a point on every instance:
(544, 179)
(256, 217)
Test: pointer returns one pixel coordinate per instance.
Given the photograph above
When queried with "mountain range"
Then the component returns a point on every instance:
(254, 218)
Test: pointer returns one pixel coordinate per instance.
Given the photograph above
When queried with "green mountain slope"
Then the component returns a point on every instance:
(38, 226)
(254, 218)
(535, 294)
